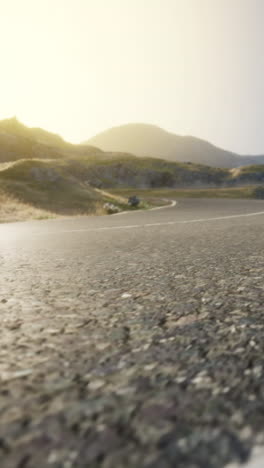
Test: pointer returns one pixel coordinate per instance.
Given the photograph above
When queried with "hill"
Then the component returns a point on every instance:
(34, 188)
(150, 140)
(126, 170)
(88, 164)
(42, 175)
(20, 142)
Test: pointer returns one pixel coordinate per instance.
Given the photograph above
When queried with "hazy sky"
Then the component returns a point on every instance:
(77, 67)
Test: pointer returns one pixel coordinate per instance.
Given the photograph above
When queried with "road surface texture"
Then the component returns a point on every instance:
(134, 340)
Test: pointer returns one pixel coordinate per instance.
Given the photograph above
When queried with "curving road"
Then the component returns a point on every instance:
(134, 340)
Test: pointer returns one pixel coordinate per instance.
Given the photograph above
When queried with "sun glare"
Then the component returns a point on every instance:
(77, 67)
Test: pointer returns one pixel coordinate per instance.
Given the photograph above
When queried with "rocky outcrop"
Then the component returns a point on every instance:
(155, 174)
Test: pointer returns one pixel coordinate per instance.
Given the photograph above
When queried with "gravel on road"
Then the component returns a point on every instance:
(133, 348)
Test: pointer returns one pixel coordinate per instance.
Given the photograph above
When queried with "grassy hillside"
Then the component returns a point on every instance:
(130, 171)
(16, 142)
(13, 209)
(150, 195)
(20, 142)
(43, 189)
(125, 170)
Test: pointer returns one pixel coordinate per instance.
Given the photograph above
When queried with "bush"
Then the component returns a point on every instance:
(133, 201)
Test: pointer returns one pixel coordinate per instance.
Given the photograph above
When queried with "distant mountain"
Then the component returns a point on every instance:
(150, 140)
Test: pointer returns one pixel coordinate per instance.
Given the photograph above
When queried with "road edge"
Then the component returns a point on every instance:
(170, 205)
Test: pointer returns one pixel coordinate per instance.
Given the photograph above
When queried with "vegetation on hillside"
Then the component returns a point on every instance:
(45, 186)
(151, 195)
(42, 171)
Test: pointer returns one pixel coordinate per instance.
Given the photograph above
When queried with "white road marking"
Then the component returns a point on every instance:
(167, 223)
(171, 205)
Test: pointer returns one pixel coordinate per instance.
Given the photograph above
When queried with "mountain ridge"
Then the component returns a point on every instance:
(148, 140)
(87, 163)
(19, 141)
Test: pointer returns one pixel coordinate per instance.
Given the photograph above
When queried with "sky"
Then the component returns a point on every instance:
(193, 67)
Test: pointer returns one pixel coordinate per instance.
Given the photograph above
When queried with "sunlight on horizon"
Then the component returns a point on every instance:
(77, 67)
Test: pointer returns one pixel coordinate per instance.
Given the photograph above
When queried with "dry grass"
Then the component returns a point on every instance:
(63, 203)
(12, 210)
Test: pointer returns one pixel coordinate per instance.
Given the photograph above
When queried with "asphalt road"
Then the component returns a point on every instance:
(133, 340)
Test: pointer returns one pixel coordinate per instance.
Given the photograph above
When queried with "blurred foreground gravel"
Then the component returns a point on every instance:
(138, 347)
